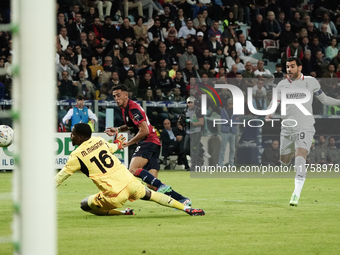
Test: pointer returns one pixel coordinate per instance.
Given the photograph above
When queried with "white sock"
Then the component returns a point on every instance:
(300, 175)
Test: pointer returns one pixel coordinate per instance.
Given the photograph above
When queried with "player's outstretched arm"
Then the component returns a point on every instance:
(61, 177)
(111, 131)
(326, 100)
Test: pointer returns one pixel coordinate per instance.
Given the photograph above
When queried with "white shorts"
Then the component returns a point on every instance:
(302, 139)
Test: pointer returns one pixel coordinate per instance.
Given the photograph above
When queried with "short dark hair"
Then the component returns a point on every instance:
(278, 65)
(80, 97)
(121, 87)
(83, 129)
(297, 60)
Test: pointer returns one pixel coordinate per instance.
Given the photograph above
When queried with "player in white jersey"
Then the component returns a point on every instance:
(298, 128)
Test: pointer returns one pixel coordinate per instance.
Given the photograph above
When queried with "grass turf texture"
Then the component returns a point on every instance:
(243, 216)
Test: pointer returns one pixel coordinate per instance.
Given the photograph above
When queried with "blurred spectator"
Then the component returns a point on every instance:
(188, 56)
(329, 80)
(151, 6)
(271, 154)
(62, 39)
(336, 60)
(332, 50)
(173, 142)
(68, 89)
(106, 89)
(165, 83)
(293, 50)
(116, 56)
(206, 57)
(171, 47)
(245, 49)
(76, 28)
(334, 152)
(321, 64)
(214, 30)
(199, 45)
(167, 16)
(87, 71)
(190, 72)
(82, 42)
(311, 155)
(228, 133)
(325, 37)
(308, 64)
(99, 54)
(122, 71)
(145, 83)
(65, 65)
(180, 20)
(78, 55)
(281, 19)
(259, 97)
(109, 30)
(132, 82)
(231, 59)
(90, 15)
(264, 74)
(248, 75)
(214, 45)
(85, 87)
(176, 95)
(329, 24)
(206, 70)
(156, 31)
(130, 54)
(80, 114)
(322, 152)
(188, 31)
(232, 74)
(312, 31)
(199, 21)
(250, 7)
(96, 28)
(96, 69)
(305, 44)
(172, 72)
(126, 29)
(142, 57)
(61, 23)
(162, 54)
(296, 23)
(179, 83)
(315, 46)
(272, 26)
(141, 30)
(169, 29)
(286, 37)
(258, 31)
(129, 4)
(92, 41)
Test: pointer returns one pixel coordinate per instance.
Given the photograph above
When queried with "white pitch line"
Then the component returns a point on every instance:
(260, 202)
(5, 239)
(5, 196)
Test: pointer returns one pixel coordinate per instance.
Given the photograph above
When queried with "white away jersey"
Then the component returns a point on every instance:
(304, 122)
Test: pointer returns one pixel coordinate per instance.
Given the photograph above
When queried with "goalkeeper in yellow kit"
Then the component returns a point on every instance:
(116, 184)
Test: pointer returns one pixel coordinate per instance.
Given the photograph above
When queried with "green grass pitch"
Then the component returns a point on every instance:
(243, 216)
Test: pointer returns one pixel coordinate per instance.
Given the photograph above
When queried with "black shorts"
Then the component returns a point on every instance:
(151, 152)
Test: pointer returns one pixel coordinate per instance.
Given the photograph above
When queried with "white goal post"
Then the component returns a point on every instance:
(33, 24)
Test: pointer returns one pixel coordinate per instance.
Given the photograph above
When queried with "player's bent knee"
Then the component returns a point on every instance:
(147, 194)
(84, 205)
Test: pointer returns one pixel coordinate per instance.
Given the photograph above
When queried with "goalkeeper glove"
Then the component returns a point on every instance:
(120, 141)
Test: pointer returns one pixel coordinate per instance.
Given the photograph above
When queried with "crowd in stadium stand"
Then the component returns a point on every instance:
(156, 47)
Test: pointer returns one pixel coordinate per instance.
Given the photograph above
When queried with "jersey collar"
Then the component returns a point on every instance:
(301, 79)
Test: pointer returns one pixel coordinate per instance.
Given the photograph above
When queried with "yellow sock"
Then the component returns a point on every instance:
(165, 200)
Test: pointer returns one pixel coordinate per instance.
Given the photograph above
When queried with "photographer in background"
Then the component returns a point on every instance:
(193, 120)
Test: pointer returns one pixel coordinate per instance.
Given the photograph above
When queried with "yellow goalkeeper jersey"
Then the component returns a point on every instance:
(95, 159)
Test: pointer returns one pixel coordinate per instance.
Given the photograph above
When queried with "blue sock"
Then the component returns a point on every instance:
(174, 195)
(148, 178)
